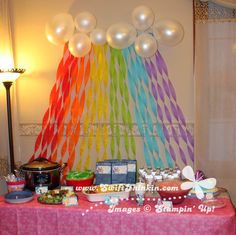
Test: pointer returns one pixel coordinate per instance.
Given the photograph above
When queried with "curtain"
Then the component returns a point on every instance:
(215, 82)
(6, 52)
(226, 3)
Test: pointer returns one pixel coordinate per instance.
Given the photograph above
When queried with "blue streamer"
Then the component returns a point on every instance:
(135, 81)
(139, 121)
(146, 156)
(144, 78)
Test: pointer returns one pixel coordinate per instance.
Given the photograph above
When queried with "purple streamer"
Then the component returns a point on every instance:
(154, 72)
(172, 153)
(183, 134)
(172, 90)
(166, 88)
(162, 63)
(181, 116)
(148, 68)
(159, 112)
(159, 90)
(159, 68)
(190, 138)
(168, 116)
(191, 154)
(154, 91)
(166, 133)
(175, 135)
(160, 93)
(182, 155)
(174, 110)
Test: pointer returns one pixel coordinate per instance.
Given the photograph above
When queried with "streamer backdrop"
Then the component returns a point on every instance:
(109, 87)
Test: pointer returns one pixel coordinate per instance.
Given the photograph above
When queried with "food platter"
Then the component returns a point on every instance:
(48, 203)
(54, 197)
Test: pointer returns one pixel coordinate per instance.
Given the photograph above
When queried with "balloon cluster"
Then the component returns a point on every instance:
(144, 32)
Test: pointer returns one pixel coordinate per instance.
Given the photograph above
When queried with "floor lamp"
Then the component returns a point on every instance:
(8, 77)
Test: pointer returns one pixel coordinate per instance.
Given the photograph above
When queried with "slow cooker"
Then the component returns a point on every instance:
(42, 172)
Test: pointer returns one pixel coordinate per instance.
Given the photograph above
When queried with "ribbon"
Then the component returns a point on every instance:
(96, 108)
(125, 112)
(174, 107)
(118, 87)
(138, 85)
(77, 108)
(160, 102)
(48, 123)
(114, 111)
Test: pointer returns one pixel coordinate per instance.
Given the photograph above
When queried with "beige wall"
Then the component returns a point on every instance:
(40, 58)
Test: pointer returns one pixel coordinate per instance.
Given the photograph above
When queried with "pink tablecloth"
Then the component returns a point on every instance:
(90, 218)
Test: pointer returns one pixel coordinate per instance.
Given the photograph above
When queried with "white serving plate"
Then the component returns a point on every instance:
(99, 197)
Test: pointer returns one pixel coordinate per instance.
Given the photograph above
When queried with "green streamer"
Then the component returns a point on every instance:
(112, 146)
(119, 84)
(133, 145)
(123, 112)
(126, 140)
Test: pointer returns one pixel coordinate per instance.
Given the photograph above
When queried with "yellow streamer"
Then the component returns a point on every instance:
(89, 107)
(96, 107)
(103, 102)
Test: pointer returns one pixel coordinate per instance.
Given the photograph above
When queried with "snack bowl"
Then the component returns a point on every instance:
(170, 190)
(78, 184)
(15, 186)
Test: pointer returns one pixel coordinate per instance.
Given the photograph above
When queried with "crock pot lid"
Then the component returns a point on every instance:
(40, 164)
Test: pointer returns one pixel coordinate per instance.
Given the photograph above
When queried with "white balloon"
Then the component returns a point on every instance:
(168, 32)
(79, 45)
(121, 35)
(60, 29)
(98, 36)
(85, 22)
(145, 45)
(142, 17)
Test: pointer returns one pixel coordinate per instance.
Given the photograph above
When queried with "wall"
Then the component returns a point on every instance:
(40, 58)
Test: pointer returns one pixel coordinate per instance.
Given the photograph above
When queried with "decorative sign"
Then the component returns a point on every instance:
(69, 188)
(70, 201)
(41, 189)
(111, 200)
(163, 205)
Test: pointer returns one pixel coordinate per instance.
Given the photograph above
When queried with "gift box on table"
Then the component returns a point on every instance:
(131, 173)
(122, 171)
(119, 172)
(103, 173)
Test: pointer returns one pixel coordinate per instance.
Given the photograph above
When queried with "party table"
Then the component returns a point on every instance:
(189, 217)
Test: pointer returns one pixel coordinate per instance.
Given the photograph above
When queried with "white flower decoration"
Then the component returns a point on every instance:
(188, 173)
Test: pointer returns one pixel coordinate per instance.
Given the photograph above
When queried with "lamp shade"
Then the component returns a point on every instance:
(10, 75)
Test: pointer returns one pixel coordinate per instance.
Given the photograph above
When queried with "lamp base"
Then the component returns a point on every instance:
(9, 120)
